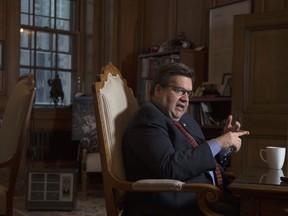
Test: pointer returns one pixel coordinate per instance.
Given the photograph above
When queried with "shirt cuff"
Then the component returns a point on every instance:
(214, 146)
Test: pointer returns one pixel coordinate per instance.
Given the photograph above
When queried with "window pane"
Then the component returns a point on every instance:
(64, 61)
(43, 53)
(43, 22)
(42, 87)
(64, 43)
(43, 59)
(43, 77)
(63, 9)
(42, 7)
(65, 50)
(43, 41)
(27, 38)
(65, 15)
(25, 58)
(63, 24)
(25, 71)
(44, 14)
(24, 19)
(67, 86)
(24, 6)
(24, 39)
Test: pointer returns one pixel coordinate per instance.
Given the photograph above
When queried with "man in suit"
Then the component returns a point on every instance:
(155, 147)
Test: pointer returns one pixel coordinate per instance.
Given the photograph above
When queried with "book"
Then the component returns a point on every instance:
(207, 114)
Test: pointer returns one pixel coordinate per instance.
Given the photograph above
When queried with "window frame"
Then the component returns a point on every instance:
(54, 54)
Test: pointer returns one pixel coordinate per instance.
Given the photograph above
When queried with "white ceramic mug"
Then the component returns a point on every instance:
(274, 156)
(272, 176)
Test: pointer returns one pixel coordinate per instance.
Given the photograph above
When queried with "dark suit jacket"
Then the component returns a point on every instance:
(153, 147)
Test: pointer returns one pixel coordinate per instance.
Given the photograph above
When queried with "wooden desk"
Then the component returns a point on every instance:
(261, 192)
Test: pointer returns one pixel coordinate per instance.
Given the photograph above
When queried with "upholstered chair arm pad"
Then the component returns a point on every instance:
(157, 185)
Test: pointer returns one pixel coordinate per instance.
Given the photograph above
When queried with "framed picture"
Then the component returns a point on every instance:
(221, 21)
(83, 118)
(227, 84)
(1, 54)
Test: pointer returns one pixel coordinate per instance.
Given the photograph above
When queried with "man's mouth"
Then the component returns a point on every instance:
(180, 106)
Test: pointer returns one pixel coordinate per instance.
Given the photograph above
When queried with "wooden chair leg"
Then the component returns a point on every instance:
(9, 205)
(84, 177)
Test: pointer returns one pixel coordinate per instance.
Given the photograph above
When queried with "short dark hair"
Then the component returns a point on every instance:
(166, 71)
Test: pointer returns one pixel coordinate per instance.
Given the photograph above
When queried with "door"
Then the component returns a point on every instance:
(260, 82)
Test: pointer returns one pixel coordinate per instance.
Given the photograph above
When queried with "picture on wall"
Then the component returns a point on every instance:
(227, 84)
(83, 118)
(221, 20)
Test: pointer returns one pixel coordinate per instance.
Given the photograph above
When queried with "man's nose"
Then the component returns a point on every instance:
(185, 96)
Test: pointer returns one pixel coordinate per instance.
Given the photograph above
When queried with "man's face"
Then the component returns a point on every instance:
(171, 99)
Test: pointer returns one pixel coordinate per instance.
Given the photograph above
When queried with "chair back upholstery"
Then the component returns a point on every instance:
(14, 117)
(13, 131)
(115, 103)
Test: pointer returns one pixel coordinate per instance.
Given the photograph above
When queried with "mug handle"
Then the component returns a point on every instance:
(261, 155)
(263, 178)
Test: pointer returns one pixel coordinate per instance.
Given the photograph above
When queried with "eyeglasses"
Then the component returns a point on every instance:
(180, 91)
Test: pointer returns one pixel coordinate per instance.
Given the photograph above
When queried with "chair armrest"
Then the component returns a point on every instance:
(157, 184)
(230, 175)
(206, 193)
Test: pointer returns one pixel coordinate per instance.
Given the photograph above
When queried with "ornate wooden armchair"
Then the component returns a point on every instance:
(13, 133)
(114, 105)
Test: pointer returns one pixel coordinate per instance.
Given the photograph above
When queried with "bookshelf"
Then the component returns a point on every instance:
(210, 112)
(149, 63)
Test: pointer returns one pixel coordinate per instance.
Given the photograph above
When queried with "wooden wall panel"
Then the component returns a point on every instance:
(129, 40)
(48, 119)
(139, 25)
(2, 37)
(2, 18)
(261, 6)
(158, 22)
(268, 52)
(259, 99)
(190, 20)
(223, 2)
(12, 53)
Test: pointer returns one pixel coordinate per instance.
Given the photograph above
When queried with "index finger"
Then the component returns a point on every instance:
(242, 133)
(229, 121)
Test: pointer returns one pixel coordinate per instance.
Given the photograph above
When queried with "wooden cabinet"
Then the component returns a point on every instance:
(213, 121)
(260, 198)
(259, 95)
(149, 63)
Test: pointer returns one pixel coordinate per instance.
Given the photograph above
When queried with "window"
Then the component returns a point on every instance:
(48, 46)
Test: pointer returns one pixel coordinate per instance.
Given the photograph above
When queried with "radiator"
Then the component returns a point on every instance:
(52, 146)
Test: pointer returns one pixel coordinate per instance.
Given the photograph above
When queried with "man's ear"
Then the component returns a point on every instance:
(157, 90)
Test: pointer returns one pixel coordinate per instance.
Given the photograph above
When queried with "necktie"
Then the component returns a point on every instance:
(193, 142)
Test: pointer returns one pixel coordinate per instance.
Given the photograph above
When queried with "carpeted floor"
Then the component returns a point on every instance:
(89, 205)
